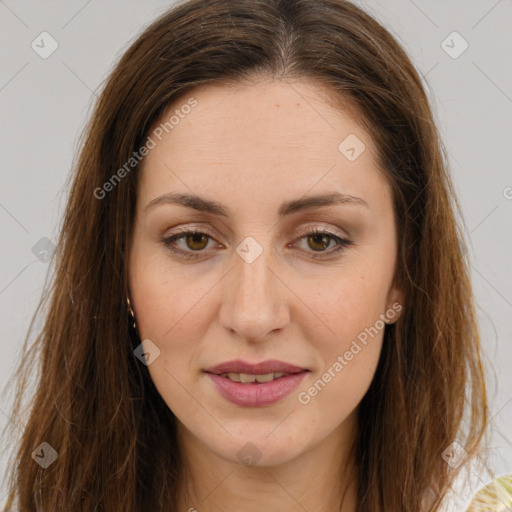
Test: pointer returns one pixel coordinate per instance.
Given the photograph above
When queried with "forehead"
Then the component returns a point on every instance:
(270, 136)
(279, 113)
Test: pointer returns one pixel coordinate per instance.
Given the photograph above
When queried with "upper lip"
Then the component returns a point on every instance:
(269, 366)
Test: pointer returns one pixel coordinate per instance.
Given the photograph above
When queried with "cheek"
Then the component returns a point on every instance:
(347, 306)
(167, 297)
(334, 393)
(347, 335)
(171, 310)
(349, 343)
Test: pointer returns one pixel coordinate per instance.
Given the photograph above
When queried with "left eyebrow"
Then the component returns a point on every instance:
(287, 207)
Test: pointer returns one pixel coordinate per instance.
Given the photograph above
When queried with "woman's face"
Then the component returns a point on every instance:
(255, 171)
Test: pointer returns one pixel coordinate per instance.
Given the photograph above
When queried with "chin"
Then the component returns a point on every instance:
(259, 450)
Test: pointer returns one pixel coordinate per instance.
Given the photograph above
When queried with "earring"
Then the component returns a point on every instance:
(131, 314)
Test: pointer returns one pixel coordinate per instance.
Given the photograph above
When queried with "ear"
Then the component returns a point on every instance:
(394, 304)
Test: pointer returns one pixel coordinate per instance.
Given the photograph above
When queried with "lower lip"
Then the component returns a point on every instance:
(257, 394)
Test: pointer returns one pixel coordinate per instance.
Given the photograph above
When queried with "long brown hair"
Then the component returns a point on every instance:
(96, 405)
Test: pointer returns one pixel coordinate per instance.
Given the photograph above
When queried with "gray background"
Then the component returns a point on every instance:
(44, 104)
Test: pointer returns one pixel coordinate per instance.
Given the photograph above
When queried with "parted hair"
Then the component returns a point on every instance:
(96, 404)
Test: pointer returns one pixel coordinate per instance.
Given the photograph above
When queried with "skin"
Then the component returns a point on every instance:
(251, 148)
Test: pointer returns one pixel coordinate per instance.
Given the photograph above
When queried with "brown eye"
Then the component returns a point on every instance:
(196, 241)
(193, 243)
(319, 241)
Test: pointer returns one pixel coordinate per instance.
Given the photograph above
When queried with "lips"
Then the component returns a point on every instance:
(265, 367)
(255, 385)
(249, 378)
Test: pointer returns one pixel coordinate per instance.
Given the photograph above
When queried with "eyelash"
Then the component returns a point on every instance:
(169, 242)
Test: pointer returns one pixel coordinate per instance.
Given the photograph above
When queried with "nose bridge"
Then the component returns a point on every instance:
(253, 304)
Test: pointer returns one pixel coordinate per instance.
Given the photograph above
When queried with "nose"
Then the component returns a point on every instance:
(254, 298)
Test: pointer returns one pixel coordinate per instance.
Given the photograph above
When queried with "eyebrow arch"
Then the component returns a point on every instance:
(286, 208)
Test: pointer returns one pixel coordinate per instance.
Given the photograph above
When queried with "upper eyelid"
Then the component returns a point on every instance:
(342, 239)
(337, 231)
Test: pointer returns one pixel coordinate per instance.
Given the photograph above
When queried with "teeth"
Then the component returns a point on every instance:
(266, 377)
(246, 378)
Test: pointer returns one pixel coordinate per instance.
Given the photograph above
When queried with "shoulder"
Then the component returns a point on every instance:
(472, 478)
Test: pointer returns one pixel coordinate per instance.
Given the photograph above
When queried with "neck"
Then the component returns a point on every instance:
(322, 478)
